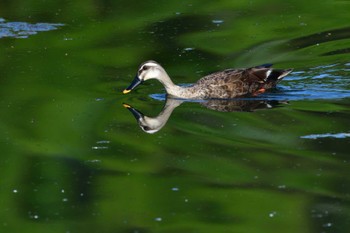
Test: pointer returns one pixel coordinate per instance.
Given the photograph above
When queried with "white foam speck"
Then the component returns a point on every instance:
(158, 219)
(217, 21)
(328, 224)
(272, 214)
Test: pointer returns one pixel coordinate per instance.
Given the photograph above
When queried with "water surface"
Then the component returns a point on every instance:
(75, 160)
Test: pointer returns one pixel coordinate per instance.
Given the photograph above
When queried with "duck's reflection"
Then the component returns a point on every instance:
(240, 105)
(154, 124)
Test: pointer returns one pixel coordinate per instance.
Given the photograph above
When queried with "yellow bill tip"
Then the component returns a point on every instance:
(126, 106)
(126, 91)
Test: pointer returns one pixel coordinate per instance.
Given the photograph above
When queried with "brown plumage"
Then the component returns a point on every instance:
(224, 84)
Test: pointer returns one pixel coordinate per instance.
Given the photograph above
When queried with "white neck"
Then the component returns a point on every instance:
(170, 87)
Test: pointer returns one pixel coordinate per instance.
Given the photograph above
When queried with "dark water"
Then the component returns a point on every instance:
(74, 159)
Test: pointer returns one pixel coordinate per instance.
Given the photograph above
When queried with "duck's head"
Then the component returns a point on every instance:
(147, 124)
(147, 70)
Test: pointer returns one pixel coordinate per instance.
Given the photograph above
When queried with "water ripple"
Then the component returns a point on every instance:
(321, 82)
(326, 135)
(23, 29)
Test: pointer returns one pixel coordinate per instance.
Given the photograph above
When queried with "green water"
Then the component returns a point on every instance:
(73, 159)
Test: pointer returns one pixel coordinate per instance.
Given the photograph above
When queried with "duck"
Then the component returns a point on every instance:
(226, 84)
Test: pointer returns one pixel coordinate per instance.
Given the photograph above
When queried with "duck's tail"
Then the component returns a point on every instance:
(273, 75)
(277, 75)
(268, 76)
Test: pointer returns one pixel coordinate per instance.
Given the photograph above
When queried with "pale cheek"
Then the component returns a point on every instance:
(151, 75)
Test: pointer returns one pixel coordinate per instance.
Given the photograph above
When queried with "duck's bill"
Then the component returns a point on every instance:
(133, 84)
(137, 114)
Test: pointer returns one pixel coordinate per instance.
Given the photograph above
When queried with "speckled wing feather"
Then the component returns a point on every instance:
(233, 82)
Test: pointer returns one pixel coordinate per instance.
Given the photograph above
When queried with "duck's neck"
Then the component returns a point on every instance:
(171, 88)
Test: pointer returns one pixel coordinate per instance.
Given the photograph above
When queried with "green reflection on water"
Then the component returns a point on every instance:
(74, 160)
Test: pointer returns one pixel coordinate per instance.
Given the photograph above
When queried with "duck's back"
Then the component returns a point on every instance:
(233, 83)
(229, 83)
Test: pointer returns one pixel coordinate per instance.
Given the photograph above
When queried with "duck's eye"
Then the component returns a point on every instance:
(145, 68)
(145, 127)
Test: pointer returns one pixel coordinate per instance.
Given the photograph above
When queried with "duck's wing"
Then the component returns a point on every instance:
(264, 77)
(221, 77)
(224, 84)
(231, 83)
(267, 74)
(263, 74)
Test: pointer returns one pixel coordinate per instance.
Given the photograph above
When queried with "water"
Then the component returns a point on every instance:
(23, 29)
(74, 159)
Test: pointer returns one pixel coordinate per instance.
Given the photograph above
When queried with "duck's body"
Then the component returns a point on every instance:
(225, 84)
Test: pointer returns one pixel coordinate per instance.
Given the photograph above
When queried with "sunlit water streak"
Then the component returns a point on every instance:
(101, 145)
(23, 29)
(326, 135)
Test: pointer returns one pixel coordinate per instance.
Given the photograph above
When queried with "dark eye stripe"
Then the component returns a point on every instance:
(143, 68)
